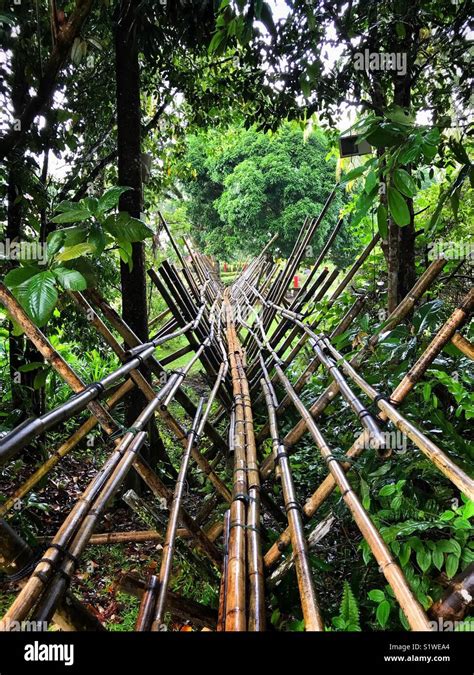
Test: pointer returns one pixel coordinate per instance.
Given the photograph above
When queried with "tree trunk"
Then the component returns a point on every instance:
(406, 272)
(401, 256)
(19, 96)
(133, 281)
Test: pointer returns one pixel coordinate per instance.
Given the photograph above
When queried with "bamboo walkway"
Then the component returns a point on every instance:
(244, 336)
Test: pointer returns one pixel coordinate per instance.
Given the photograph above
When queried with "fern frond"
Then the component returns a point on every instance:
(349, 610)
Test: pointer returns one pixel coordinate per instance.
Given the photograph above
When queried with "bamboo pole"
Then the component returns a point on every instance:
(223, 590)
(304, 378)
(442, 462)
(15, 560)
(160, 490)
(236, 609)
(464, 345)
(173, 424)
(145, 613)
(458, 599)
(78, 525)
(62, 451)
(168, 546)
(309, 604)
(50, 355)
(67, 373)
(133, 341)
(182, 608)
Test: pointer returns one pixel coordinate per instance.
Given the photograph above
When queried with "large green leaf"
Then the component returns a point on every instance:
(452, 564)
(423, 558)
(125, 228)
(370, 181)
(411, 150)
(364, 203)
(98, 239)
(438, 558)
(74, 235)
(70, 280)
(40, 378)
(41, 297)
(400, 115)
(91, 204)
(19, 275)
(429, 151)
(55, 241)
(7, 18)
(381, 137)
(377, 595)
(387, 490)
(354, 173)
(404, 182)
(398, 207)
(75, 252)
(445, 194)
(29, 367)
(449, 546)
(111, 197)
(405, 552)
(64, 206)
(383, 612)
(75, 216)
(216, 46)
(86, 267)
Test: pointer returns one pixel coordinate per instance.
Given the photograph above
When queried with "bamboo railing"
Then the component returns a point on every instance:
(244, 336)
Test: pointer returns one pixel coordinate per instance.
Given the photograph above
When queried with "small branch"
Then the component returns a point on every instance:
(47, 85)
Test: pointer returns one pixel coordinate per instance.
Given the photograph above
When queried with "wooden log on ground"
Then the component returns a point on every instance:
(458, 599)
(184, 609)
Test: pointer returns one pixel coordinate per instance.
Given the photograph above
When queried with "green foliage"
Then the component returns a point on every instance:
(405, 166)
(348, 619)
(244, 186)
(36, 288)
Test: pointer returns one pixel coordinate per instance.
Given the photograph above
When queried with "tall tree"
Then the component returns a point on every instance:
(127, 71)
(132, 272)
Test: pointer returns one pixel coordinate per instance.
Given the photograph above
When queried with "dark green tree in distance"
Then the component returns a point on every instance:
(244, 186)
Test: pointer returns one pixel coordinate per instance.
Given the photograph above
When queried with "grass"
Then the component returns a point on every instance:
(173, 346)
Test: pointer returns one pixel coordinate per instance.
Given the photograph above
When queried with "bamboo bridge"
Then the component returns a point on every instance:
(245, 336)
